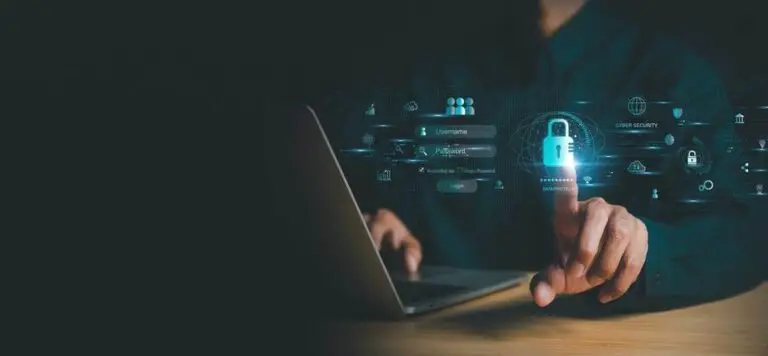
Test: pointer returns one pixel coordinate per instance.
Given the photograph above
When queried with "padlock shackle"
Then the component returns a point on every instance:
(555, 121)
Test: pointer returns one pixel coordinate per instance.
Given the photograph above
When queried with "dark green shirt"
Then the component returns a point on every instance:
(592, 66)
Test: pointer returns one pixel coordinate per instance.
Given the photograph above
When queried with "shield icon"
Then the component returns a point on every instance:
(677, 113)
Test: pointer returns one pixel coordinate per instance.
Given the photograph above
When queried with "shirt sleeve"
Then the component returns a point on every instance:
(702, 250)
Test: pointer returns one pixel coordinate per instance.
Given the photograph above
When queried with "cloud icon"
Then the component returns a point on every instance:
(411, 106)
(636, 167)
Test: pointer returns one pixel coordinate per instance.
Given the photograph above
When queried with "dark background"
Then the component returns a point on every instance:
(198, 52)
(175, 93)
(728, 33)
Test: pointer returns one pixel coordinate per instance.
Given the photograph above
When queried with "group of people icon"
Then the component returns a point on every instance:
(460, 106)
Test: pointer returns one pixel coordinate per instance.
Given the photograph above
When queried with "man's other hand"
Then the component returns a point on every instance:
(386, 228)
(599, 244)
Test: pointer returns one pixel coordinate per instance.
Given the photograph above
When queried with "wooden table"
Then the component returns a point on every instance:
(507, 323)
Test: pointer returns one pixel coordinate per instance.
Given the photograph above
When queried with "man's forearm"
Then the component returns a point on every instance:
(701, 257)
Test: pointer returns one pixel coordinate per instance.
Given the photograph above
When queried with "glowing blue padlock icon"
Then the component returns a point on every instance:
(558, 151)
(693, 158)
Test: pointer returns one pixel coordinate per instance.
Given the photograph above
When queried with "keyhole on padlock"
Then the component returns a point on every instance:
(558, 151)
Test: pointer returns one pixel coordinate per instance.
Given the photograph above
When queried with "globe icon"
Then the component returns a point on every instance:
(669, 139)
(637, 106)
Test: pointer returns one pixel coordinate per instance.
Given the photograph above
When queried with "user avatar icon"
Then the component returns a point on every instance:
(450, 108)
(460, 106)
(460, 109)
(499, 185)
(759, 189)
(469, 102)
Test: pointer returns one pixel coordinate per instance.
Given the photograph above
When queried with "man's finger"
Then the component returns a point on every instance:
(616, 238)
(629, 270)
(398, 235)
(399, 238)
(596, 215)
(567, 191)
(384, 225)
(546, 285)
(379, 231)
(397, 232)
(412, 254)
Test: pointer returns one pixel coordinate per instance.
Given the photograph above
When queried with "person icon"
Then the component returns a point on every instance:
(460, 110)
(499, 185)
(655, 193)
(469, 102)
(450, 109)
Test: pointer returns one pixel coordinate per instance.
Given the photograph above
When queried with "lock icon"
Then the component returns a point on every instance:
(557, 151)
(693, 159)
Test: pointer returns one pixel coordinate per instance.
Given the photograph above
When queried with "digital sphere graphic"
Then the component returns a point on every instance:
(637, 106)
(669, 139)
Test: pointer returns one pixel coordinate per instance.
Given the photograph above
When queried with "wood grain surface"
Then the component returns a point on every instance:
(508, 323)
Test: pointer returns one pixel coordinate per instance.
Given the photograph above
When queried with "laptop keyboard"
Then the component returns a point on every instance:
(413, 292)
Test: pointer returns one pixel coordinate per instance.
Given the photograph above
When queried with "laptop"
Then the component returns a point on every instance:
(345, 249)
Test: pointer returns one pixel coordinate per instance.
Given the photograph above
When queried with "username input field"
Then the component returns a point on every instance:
(456, 131)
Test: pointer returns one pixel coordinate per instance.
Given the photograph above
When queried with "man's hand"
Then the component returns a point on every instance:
(385, 225)
(599, 244)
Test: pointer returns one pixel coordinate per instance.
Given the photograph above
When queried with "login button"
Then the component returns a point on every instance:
(457, 186)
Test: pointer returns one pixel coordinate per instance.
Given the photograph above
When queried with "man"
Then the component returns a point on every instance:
(613, 243)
